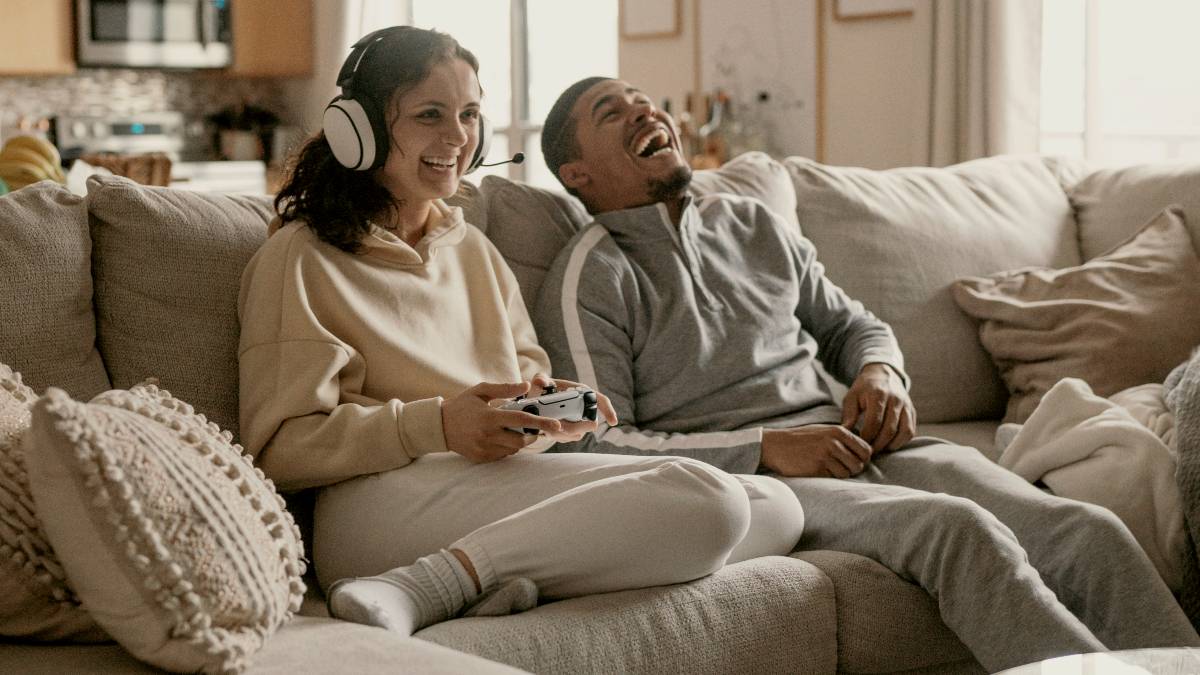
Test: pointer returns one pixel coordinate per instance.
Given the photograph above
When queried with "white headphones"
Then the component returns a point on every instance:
(355, 125)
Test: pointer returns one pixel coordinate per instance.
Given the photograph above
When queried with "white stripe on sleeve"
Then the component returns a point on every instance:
(585, 372)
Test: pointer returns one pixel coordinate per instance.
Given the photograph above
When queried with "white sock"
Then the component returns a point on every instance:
(406, 599)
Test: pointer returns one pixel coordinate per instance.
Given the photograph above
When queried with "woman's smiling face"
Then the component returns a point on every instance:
(434, 130)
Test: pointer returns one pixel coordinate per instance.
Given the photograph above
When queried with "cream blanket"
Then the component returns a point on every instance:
(1118, 453)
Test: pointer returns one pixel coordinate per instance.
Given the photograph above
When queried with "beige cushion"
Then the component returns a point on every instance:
(895, 240)
(1112, 204)
(304, 646)
(177, 545)
(753, 174)
(885, 624)
(168, 267)
(530, 225)
(767, 615)
(36, 602)
(47, 329)
(1125, 318)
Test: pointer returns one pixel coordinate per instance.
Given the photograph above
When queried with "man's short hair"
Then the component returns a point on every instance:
(559, 144)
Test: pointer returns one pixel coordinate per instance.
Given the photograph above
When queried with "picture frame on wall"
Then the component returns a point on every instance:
(854, 10)
(647, 19)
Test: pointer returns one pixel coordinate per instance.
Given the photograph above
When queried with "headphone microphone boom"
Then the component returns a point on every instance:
(516, 159)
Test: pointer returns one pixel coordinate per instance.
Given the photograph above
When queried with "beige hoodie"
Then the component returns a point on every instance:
(345, 358)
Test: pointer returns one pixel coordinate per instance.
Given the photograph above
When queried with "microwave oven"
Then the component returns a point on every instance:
(154, 33)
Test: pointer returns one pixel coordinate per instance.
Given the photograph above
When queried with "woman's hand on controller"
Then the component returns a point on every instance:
(573, 431)
(481, 432)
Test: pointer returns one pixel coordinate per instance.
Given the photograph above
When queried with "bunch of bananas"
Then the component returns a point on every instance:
(29, 159)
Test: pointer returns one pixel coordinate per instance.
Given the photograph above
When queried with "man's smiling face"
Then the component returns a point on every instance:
(629, 153)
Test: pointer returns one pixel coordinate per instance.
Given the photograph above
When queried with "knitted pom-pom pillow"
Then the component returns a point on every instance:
(177, 545)
(35, 601)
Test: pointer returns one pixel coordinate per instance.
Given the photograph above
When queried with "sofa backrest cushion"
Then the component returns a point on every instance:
(530, 225)
(47, 327)
(168, 266)
(1111, 204)
(896, 239)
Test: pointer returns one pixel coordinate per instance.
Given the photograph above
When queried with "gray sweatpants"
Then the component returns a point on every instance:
(1010, 566)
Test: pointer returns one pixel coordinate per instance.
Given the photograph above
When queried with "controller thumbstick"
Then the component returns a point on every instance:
(549, 389)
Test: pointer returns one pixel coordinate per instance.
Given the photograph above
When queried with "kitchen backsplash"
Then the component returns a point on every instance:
(92, 91)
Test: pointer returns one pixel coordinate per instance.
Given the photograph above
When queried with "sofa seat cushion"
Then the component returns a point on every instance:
(168, 266)
(885, 624)
(896, 239)
(769, 615)
(47, 328)
(305, 645)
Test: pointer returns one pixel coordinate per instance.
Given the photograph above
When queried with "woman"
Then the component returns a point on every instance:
(379, 331)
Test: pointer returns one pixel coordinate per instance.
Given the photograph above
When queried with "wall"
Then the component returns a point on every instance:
(872, 75)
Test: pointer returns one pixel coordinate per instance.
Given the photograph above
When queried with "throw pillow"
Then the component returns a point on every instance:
(1125, 318)
(895, 240)
(178, 546)
(47, 326)
(36, 602)
(168, 265)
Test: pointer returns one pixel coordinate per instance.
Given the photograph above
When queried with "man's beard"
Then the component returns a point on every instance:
(671, 187)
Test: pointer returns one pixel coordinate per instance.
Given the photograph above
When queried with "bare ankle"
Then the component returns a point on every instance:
(466, 563)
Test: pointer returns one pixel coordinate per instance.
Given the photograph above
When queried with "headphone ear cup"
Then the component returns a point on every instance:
(350, 134)
(484, 144)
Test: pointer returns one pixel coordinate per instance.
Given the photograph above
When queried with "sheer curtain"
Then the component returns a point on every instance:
(981, 79)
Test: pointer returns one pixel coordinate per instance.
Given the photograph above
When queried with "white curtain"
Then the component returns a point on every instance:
(982, 79)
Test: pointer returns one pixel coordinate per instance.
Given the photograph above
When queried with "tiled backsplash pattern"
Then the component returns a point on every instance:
(125, 90)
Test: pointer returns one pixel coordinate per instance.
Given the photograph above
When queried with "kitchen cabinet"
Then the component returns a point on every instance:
(272, 38)
(37, 37)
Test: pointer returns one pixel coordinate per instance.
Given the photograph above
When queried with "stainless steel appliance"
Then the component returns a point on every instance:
(124, 134)
(154, 33)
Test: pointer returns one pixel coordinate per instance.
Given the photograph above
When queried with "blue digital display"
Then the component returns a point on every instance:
(137, 128)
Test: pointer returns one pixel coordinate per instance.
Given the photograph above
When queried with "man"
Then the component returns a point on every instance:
(703, 321)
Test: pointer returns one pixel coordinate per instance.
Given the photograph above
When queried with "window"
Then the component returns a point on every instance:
(529, 51)
(1119, 80)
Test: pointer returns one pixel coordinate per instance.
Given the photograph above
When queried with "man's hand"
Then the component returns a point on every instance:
(816, 450)
(879, 401)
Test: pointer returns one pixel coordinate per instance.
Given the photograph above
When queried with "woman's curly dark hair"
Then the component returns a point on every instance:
(339, 203)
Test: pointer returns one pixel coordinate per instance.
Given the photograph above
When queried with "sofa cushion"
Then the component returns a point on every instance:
(896, 239)
(178, 546)
(773, 615)
(1112, 204)
(885, 624)
(168, 267)
(530, 225)
(752, 174)
(1123, 319)
(304, 645)
(47, 327)
(36, 600)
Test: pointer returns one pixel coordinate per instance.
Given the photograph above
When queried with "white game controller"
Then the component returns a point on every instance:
(572, 405)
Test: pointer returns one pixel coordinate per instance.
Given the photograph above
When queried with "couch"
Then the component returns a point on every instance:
(132, 281)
